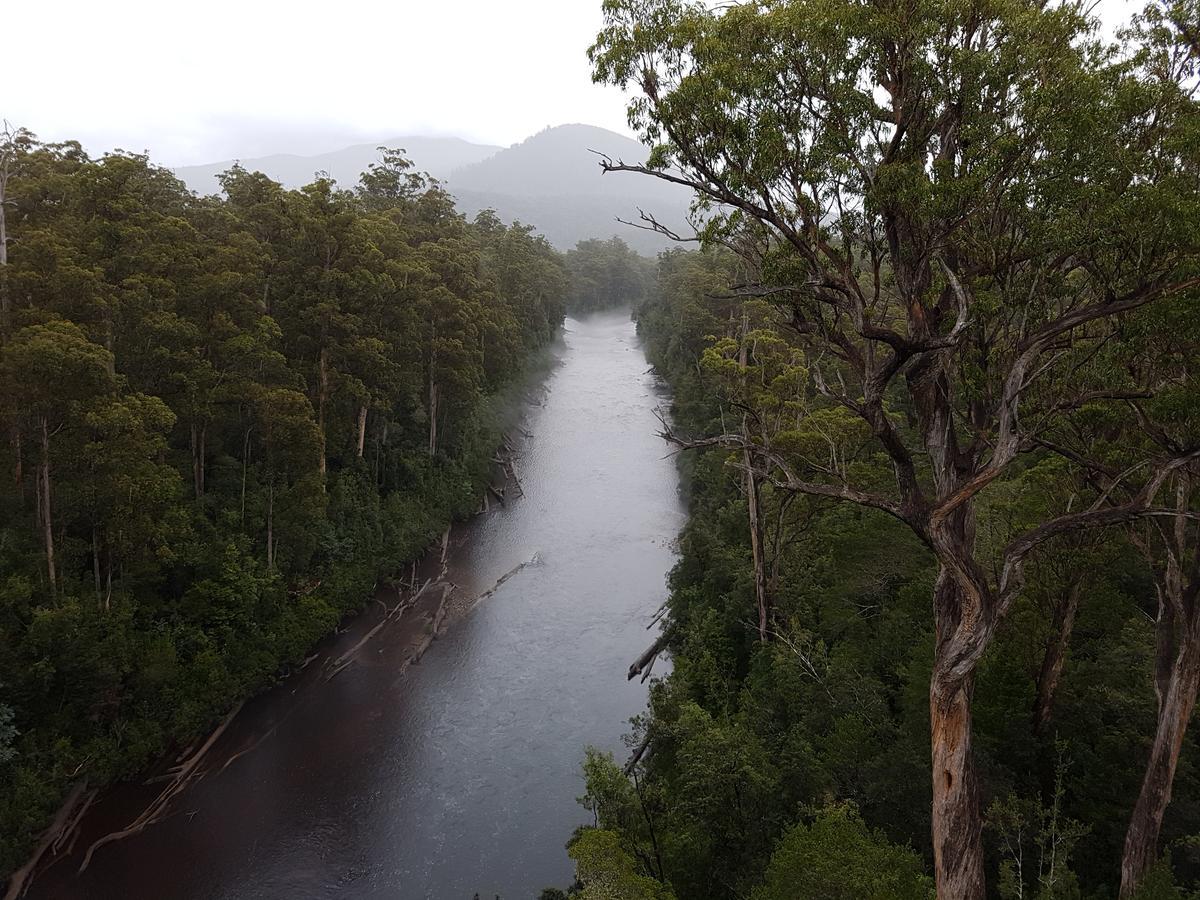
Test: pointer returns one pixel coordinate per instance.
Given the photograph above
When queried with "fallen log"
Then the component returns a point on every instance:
(644, 662)
(346, 658)
(503, 578)
(72, 830)
(154, 811)
(18, 883)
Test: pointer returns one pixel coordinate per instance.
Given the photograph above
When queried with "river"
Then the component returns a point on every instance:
(457, 774)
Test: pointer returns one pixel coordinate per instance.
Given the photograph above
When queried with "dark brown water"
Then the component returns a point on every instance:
(458, 774)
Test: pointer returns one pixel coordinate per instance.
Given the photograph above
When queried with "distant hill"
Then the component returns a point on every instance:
(437, 156)
(552, 181)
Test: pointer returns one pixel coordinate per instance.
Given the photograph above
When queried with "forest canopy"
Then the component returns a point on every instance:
(934, 386)
(222, 420)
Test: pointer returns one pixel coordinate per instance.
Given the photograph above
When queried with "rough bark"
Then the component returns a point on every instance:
(957, 827)
(362, 429)
(1055, 654)
(957, 824)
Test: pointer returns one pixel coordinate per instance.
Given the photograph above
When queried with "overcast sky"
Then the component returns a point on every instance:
(199, 82)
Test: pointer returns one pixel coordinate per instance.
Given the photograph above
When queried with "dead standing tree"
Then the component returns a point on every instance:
(953, 233)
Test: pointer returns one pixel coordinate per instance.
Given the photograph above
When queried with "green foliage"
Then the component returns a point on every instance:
(221, 419)
(837, 857)
(605, 275)
(606, 872)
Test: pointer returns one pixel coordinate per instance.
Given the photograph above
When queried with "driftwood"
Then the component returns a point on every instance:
(154, 811)
(643, 664)
(503, 578)
(499, 495)
(346, 658)
(63, 821)
(435, 625)
(71, 833)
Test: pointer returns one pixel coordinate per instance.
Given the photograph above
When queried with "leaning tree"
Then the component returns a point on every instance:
(964, 200)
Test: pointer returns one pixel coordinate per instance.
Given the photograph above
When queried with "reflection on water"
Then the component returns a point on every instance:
(458, 775)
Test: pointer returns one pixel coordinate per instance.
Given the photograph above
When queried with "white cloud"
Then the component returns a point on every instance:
(196, 82)
(199, 82)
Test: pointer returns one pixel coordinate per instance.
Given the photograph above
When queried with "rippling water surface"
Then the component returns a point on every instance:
(459, 774)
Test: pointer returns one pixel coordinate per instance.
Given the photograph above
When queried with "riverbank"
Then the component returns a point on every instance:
(360, 604)
(458, 773)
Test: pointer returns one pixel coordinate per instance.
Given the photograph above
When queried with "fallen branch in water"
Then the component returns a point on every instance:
(645, 662)
(503, 578)
(155, 810)
(18, 883)
(72, 830)
(346, 658)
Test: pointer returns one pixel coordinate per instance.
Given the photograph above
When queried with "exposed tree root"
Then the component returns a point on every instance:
(154, 811)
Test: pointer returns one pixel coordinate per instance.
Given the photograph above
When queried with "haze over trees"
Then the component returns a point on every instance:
(606, 274)
(550, 179)
(941, 376)
(222, 420)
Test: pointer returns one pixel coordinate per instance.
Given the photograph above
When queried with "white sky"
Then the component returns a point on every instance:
(216, 79)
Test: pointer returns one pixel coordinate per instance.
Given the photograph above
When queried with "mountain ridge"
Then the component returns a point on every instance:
(552, 180)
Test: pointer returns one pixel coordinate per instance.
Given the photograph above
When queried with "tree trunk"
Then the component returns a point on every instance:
(199, 439)
(5, 301)
(957, 825)
(362, 429)
(18, 464)
(322, 398)
(47, 519)
(1055, 655)
(245, 463)
(271, 524)
(756, 551)
(1176, 703)
(433, 417)
(96, 563)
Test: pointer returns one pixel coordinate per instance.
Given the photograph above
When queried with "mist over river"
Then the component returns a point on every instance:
(457, 774)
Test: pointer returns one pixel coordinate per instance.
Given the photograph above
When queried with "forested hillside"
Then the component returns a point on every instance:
(936, 621)
(222, 420)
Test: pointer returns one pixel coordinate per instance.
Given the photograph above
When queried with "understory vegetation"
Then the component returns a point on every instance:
(222, 420)
(936, 618)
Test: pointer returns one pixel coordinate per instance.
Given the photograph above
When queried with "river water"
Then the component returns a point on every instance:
(457, 774)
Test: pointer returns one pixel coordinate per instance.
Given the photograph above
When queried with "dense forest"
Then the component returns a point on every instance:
(936, 620)
(605, 275)
(223, 419)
